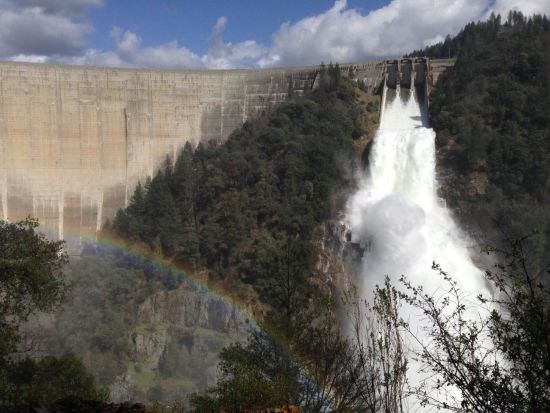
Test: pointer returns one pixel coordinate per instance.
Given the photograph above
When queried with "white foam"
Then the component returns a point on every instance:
(397, 214)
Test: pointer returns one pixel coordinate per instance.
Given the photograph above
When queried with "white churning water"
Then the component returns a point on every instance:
(397, 215)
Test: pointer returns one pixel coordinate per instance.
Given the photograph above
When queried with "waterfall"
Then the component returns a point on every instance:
(396, 213)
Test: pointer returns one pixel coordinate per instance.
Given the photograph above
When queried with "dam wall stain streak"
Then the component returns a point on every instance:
(74, 140)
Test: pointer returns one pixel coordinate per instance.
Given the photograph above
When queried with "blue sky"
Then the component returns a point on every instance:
(232, 33)
(191, 22)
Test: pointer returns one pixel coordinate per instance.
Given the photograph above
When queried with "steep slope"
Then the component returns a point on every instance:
(491, 112)
(244, 217)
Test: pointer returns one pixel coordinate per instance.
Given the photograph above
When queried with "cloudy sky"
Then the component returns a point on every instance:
(232, 33)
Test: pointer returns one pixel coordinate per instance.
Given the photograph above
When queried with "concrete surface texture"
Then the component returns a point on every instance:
(437, 67)
(74, 141)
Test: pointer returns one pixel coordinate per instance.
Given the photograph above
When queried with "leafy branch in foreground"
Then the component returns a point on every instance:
(318, 368)
(31, 277)
(492, 355)
(378, 339)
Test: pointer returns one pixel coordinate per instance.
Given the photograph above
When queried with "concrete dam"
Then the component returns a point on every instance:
(75, 140)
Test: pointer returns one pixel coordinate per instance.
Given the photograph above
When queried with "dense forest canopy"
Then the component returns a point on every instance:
(491, 112)
(247, 211)
(243, 214)
(244, 208)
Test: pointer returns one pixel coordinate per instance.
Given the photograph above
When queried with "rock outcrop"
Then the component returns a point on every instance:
(175, 345)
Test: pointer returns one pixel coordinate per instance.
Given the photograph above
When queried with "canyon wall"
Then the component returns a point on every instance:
(75, 140)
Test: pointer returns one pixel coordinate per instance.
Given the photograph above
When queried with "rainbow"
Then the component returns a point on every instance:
(109, 241)
(113, 243)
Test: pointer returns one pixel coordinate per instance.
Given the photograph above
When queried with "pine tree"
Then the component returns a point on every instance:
(162, 216)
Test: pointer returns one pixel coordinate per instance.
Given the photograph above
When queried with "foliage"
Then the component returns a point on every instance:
(244, 210)
(252, 377)
(31, 277)
(318, 369)
(492, 116)
(373, 106)
(45, 381)
(283, 195)
(495, 353)
(96, 321)
(234, 207)
(378, 332)
(491, 112)
(333, 366)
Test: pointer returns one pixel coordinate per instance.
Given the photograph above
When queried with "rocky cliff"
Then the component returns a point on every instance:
(175, 343)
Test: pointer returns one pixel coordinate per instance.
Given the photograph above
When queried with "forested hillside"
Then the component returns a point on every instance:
(244, 208)
(240, 215)
(491, 112)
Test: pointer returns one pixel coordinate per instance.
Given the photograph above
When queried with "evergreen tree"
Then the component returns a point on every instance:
(163, 219)
(491, 112)
(219, 203)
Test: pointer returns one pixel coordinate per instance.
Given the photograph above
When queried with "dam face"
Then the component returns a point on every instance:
(74, 141)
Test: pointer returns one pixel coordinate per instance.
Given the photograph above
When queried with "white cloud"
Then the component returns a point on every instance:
(92, 57)
(44, 27)
(66, 7)
(30, 58)
(346, 35)
(30, 31)
(56, 30)
(223, 55)
(131, 52)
